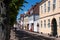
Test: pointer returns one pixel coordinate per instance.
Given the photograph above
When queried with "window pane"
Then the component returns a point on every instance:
(41, 9)
(45, 7)
(48, 22)
(59, 21)
(41, 24)
(54, 1)
(45, 23)
(48, 6)
(54, 4)
(37, 24)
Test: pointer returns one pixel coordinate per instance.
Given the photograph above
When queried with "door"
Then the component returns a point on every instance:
(54, 27)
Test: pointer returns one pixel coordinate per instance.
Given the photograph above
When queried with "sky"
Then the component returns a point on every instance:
(27, 6)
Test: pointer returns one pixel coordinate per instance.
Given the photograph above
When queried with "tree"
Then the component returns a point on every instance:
(14, 6)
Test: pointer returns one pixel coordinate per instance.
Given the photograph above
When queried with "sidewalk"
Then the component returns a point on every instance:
(12, 35)
(44, 35)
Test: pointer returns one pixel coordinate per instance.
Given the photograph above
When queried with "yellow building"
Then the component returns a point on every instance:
(26, 22)
(49, 11)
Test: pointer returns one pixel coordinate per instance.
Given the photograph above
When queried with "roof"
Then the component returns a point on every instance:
(21, 15)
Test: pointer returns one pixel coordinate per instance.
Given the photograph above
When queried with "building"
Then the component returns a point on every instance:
(49, 11)
(31, 19)
(22, 21)
(26, 21)
(36, 17)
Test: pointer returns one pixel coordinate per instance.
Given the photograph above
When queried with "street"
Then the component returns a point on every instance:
(22, 35)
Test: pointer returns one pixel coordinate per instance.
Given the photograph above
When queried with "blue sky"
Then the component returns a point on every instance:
(27, 6)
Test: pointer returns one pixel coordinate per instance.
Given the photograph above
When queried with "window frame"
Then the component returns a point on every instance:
(54, 4)
(59, 21)
(41, 23)
(41, 9)
(45, 7)
(45, 23)
(48, 23)
(48, 6)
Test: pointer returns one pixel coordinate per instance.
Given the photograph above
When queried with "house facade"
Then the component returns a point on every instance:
(31, 22)
(22, 21)
(31, 19)
(49, 11)
(26, 22)
(36, 17)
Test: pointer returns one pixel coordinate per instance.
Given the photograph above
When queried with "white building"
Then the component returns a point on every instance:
(36, 23)
(31, 22)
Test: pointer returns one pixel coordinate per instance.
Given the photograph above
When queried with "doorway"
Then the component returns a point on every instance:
(54, 27)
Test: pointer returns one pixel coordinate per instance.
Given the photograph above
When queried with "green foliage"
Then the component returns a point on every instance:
(14, 6)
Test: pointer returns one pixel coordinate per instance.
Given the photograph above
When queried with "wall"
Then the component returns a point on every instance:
(57, 10)
(49, 15)
(25, 22)
(31, 20)
(35, 25)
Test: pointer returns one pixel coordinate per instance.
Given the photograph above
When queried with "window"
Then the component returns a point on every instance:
(48, 6)
(54, 4)
(41, 24)
(45, 7)
(59, 3)
(41, 9)
(32, 24)
(37, 24)
(45, 23)
(27, 25)
(59, 21)
(48, 22)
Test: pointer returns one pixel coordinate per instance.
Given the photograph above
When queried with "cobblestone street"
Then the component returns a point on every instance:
(22, 35)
